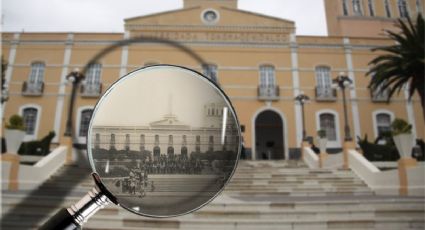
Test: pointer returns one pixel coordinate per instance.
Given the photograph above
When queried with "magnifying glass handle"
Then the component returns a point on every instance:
(61, 220)
(74, 217)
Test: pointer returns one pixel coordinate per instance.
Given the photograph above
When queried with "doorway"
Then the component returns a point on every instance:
(269, 136)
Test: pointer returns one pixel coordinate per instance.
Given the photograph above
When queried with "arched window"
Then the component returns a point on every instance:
(184, 151)
(402, 8)
(156, 151)
(29, 115)
(92, 80)
(371, 7)
(344, 7)
(112, 141)
(85, 117)
(170, 151)
(387, 8)
(328, 123)
(127, 142)
(357, 7)
(383, 123)
(267, 76)
(210, 71)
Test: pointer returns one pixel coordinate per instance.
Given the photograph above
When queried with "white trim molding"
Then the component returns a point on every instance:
(331, 144)
(285, 130)
(62, 86)
(375, 121)
(37, 122)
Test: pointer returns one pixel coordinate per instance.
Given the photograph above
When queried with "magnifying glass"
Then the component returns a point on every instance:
(163, 141)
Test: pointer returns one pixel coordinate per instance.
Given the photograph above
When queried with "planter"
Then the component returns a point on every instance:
(14, 138)
(404, 144)
(322, 144)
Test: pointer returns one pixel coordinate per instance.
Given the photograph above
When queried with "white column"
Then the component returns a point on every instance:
(353, 95)
(296, 88)
(10, 63)
(62, 86)
(124, 56)
(410, 113)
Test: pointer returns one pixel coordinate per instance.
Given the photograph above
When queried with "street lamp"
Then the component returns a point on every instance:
(342, 81)
(75, 77)
(301, 99)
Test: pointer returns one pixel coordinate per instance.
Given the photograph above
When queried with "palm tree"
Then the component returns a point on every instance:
(402, 63)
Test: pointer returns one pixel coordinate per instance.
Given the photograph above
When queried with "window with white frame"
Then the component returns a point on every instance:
(383, 123)
(85, 117)
(371, 7)
(402, 8)
(357, 7)
(267, 76)
(344, 7)
(35, 79)
(29, 115)
(92, 81)
(328, 123)
(324, 81)
(387, 8)
(210, 71)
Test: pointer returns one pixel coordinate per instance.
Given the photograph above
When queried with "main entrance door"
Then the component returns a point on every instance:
(269, 136)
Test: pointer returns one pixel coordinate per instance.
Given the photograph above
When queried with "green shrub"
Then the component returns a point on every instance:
(321, 133)
(16, 122)
(400, 126)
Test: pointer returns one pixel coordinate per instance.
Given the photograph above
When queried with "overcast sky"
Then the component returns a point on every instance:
(108, 15)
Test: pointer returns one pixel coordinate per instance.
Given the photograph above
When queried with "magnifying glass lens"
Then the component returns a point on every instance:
(164, 140)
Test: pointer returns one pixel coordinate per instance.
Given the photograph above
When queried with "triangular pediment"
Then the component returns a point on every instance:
(195, 16)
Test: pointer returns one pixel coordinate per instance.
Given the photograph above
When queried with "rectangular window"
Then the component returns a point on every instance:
(210, 71)
(357, 7)
(387, 8)
(344, 7)
(267, 76)
(92, 84)
(127, 142)
(371, 8)
(97, 141)
(402, 7)
(85, 117)
(112, 142)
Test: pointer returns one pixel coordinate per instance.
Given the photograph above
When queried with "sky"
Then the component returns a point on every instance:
(129, 102)
(108, 15)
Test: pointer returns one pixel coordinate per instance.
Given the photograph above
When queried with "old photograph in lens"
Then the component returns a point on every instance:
(164, 141)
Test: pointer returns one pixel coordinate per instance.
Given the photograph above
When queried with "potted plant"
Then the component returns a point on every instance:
(402, 136)
(322, 140)
(14, 133)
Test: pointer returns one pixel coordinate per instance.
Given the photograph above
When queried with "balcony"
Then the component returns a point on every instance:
(91, 90)
(268, 92)
(325, 94)
(32, 89)
(379, 96)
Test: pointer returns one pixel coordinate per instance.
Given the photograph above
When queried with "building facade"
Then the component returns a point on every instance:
(258, 60)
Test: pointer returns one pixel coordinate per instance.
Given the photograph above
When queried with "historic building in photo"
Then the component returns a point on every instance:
(258, 60)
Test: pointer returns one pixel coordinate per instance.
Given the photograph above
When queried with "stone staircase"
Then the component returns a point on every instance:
(261, 195)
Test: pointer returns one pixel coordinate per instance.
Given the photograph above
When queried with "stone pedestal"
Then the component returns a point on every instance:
(14, 160)
(347, 146)
(322, 158)
(403, 164)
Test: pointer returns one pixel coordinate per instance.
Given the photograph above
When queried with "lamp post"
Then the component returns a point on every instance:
(75, 77)
(342, 81)
(301, 99)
